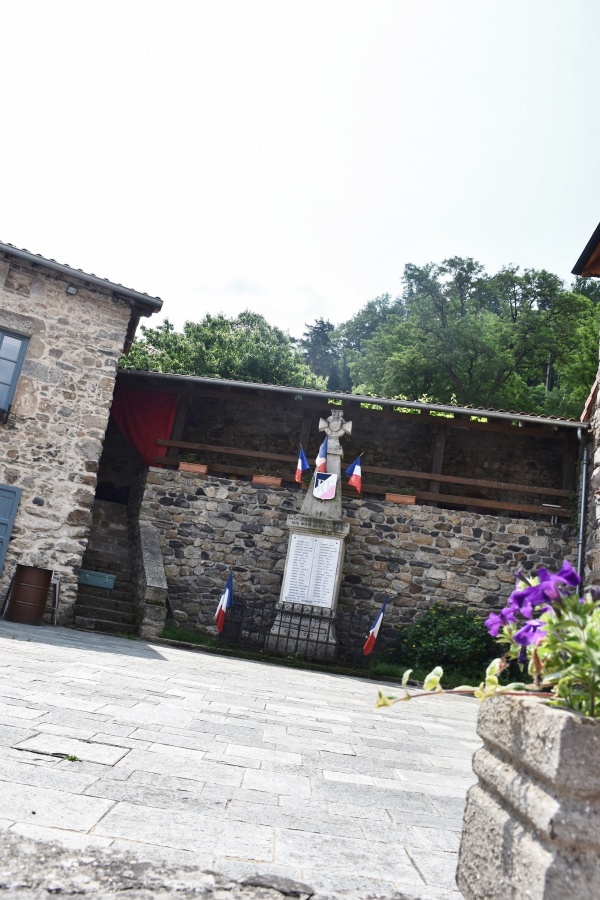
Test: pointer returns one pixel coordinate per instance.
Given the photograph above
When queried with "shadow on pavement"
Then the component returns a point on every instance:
(58, 636)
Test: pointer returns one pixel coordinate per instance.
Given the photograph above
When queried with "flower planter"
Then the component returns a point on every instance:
(198, 468)
(532, 822)
(267, 480)
(403, 499)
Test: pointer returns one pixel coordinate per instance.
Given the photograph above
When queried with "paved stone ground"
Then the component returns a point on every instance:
(188, 758)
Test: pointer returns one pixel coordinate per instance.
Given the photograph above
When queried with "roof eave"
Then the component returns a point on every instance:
(588, 264)
(144, 303)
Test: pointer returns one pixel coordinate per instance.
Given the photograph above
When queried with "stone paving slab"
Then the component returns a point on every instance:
(243, 767)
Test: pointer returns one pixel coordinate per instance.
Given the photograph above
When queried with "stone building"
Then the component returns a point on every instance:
(588, 266)
(62, 332)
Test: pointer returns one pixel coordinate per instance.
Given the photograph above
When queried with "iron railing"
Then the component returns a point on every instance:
(293, 629)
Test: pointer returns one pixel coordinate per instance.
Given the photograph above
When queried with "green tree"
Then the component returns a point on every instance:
(245, 348)
(326, 355)
(588, 287)
(355, 333)
(456, 333)
(577, 369)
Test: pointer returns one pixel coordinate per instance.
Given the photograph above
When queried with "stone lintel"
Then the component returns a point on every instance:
(318, 526)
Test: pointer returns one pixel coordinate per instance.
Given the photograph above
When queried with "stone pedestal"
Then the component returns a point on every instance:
(305, 615)
(305, 619)
(532, 823)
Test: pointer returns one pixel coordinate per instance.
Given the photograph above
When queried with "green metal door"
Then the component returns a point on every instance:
(9, 501)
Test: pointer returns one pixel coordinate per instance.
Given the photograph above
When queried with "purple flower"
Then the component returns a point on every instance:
(551, 583)
(496, 621)
(531, 633)
(526, 600)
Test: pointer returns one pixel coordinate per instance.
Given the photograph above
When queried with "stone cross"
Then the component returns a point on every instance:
(335, 427)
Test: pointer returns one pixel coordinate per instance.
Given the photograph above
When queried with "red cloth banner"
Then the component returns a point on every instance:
(144, 417)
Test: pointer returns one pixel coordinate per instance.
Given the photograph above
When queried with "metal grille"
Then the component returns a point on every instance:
(293, 629)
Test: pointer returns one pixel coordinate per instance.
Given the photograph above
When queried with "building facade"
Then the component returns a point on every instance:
(61, 335)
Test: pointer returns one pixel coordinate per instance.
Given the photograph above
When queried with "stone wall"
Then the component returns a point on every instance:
(592, 543)
(52, 443)
(415, 555)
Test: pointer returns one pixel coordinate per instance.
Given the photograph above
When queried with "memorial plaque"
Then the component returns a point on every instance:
(311, 569)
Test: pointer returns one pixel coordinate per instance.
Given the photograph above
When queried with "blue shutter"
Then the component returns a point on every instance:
(9, 500)
(12, 354)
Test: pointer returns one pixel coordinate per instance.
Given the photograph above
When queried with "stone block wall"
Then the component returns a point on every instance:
(532, 822)
(413, 555)
(208, 527)
(52, 443)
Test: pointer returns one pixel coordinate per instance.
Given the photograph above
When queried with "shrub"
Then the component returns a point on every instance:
(452, 638)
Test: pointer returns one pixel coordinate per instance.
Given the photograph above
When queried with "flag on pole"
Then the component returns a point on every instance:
(372, 636)
(225, 604)
(354, 473)
(321, 460)
(302, 465)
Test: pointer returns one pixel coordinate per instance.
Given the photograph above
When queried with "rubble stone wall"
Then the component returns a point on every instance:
(415, 555)
(52, 443)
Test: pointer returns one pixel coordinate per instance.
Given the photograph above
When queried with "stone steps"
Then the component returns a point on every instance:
(116, 616)
(101, 560)
(108, 550)
(95, 623)
(119, 602)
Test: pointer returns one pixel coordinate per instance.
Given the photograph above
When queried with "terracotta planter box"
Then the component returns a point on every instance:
(198, 468)
(404, 499)
(532, 822)
(267, 480)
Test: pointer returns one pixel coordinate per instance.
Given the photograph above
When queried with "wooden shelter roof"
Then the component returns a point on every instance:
(465, 415)
(588, 264)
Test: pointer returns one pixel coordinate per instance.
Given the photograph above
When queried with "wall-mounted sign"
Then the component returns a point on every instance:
(311, 570)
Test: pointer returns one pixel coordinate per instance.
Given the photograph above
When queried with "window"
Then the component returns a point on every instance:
(12, 354)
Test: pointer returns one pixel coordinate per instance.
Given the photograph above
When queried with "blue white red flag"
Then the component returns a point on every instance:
(225, 604)
(302, 465)
(372, 636)
(321, 461)
(354, 473)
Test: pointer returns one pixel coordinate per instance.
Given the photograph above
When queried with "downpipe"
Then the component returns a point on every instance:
(582, 501)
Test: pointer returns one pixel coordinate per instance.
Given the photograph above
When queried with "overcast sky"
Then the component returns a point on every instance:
(291, 157)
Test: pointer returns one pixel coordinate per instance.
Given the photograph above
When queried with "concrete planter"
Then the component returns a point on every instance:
(402, 499)
(198, 468)
(532, 823)
(267, 480)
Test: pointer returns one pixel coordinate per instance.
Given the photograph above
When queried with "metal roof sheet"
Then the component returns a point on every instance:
(526, 418)
(154, 303)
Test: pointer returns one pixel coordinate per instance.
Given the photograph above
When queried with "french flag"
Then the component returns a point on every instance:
(225, 604)
(301, 466)
(372, 636)
(354, 473)
(321, 461)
